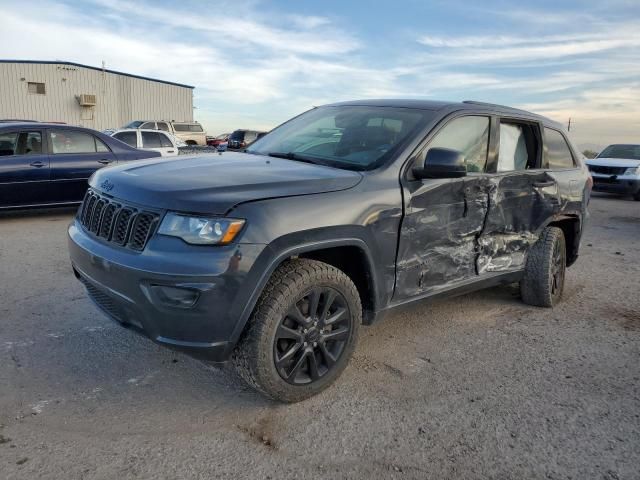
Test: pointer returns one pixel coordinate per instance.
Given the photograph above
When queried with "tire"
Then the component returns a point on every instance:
(283, 322)
(543, 281)
(636, 196)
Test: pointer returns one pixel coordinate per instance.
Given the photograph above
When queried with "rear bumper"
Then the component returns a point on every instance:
(131, 288)
(616, 184)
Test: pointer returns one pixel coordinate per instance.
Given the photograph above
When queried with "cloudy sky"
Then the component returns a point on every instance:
(256, 63)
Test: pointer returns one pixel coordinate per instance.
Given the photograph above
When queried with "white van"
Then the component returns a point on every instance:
(191, 132)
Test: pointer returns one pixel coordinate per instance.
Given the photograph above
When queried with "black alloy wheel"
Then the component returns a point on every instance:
(312, 336)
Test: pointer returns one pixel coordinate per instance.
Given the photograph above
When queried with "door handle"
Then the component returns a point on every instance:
(548, 183)
(37, 164)
(169, 151)
(104, 161)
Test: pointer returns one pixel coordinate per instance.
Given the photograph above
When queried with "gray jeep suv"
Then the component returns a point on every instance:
(274, 257)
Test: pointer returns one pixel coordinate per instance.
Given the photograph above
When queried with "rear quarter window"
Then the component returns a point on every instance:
(557, 155)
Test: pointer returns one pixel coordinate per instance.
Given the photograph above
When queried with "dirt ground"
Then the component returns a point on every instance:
(479, 386)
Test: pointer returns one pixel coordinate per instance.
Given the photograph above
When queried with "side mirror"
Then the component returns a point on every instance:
(442, 163)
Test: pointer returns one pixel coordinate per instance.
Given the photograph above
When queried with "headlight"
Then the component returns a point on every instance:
(200, 230)
(632, 171)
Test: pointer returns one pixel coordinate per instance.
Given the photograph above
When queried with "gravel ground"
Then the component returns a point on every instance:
(480, 386)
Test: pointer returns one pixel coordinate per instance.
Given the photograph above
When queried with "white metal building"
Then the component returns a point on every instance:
(88, 96)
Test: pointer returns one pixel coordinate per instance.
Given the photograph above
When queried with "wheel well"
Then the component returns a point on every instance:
(353, 262)
(571, 229)
(191, 142)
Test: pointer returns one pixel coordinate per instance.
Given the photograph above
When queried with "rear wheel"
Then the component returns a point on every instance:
(543, 281)
(636, 196)
(302, 332)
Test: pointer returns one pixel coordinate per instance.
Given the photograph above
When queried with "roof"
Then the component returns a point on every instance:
(42, 62)
(38, 125)
(435, 105)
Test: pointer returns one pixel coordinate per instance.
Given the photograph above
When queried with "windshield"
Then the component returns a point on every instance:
(631, 152)
(347, 136)
(134, 124)
(237, 135)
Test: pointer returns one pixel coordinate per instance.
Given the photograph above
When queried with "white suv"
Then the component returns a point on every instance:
(191, 133)
(617, 170)
(148, 140)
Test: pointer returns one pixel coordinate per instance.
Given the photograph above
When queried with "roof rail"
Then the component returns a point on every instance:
(488, 104)
(475, 102)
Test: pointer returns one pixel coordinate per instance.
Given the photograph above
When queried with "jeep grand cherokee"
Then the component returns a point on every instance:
(274, 257)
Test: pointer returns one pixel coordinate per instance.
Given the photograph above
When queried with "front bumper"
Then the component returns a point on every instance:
(129, 287)
(623, 184)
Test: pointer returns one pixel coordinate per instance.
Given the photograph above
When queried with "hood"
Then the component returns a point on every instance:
(613, 162)
(216, 183)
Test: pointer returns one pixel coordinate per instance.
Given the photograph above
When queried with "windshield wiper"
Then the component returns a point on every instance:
(296, 157)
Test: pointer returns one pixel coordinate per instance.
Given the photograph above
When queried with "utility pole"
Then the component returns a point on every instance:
(569, 125)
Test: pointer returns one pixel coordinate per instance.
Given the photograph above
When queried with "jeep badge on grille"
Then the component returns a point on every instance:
(107, 186)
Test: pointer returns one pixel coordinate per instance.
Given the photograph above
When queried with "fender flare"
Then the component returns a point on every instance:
(283, 255)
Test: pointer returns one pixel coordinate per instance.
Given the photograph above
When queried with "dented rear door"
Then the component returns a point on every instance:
(523, 197)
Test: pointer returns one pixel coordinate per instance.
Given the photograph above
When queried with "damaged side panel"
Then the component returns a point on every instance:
(439, 235)
(458, 229)
(518, 208)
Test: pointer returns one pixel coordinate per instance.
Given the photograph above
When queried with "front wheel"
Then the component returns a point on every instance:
(543, 281)
(302, 332)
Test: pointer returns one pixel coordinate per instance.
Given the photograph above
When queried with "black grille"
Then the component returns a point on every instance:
(104, 301)
(121, 224)
(607, 170)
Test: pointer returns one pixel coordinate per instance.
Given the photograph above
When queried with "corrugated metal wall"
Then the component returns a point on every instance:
(120, 99)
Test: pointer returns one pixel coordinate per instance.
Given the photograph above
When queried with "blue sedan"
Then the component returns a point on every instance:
(47, 164)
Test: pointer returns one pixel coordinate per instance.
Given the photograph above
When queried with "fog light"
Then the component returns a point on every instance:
(175, 297)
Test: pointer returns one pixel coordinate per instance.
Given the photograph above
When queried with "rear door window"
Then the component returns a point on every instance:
(195, 128)
(180, 127)
(151, 140)
(513, 148)
(163, 126)
(127, 137)
(558, 154)
(519, 146)
(69, 141)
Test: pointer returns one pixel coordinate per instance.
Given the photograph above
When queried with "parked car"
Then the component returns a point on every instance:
(274, 257)
(221, 142)
(154, 140)
(240, 139)
(45, 164)
(191, 132)
(617, 170)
